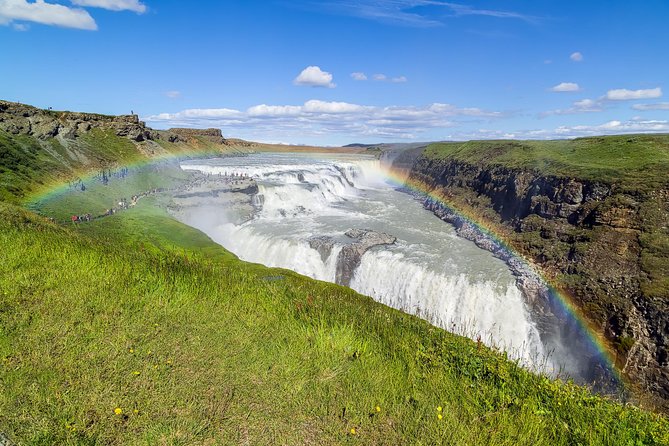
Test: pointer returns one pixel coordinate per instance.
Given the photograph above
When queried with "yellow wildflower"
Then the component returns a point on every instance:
(135, 373)
(439, 416)
(378, 409)
(352, 431)
(118, 411)
(439, 409)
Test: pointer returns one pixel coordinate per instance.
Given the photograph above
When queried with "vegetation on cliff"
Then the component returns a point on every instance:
(593, 213)
(136, 329)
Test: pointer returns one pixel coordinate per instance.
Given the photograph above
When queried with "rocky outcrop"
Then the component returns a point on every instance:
(359, 241)
(18, 119)
(212, 135)
(351, 253)
(592, 238)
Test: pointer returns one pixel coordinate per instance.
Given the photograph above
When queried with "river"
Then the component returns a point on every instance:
(429, 271)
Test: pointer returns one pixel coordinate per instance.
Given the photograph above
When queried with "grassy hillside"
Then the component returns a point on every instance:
(636, 161)
(29, 165)
(136, 329)
(103, 344)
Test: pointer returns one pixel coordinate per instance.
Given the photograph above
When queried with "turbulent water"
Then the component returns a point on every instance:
(429, 271)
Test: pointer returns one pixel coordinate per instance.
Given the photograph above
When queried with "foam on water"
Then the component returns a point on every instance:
(429, 272)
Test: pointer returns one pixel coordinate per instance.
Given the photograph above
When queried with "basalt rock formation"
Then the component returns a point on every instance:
(212, 135)
(351, 254)
(597, 240)
(18, 119)
(21, 119)
(348, 259)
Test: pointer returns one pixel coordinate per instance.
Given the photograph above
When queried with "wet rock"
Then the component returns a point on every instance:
(323, 244)
(351, 254)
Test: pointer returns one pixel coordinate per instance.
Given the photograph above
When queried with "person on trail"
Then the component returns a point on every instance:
(75, 219)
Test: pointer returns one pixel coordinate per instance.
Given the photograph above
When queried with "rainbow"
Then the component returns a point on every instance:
(561, 303)
(60, 187)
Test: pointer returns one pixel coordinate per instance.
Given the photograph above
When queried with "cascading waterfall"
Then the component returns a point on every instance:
(429, 271)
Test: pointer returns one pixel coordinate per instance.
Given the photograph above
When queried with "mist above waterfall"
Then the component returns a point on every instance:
(428, 271)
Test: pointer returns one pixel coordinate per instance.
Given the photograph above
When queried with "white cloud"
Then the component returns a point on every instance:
(566, 87)
(655, 106)
(622, 94)
(316, 106)
(274, 110)
(20, 26)
(316, 117)
(173, 94)
(313, 76)
(358, 76)
(380, 77)
(613, 127)
(582, 106)
(46, 14)
(113, 5)
(576, 57)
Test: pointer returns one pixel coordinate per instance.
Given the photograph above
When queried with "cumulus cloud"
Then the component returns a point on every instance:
(316, 117)
(576, 57)
(113, 5)
(623, 94)
(582, 106)
(611, 96)
(655, 106)
(173, 94)
(380, 77)
(45, 14)
(398, 79)
(566, 87)
(313, 76)
(613, 127)
(358, 76)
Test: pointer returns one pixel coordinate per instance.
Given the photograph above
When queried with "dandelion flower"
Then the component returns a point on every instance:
(439, 409)
(118, 411)
(352, 431)
(135, 373)
(131, 350)
(135, 411)
(440, 416)
(378, 409)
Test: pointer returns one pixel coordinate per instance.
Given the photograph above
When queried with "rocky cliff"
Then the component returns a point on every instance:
(604, 243)
(17, 119)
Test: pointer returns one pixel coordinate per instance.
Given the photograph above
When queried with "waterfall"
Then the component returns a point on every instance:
(428, 272)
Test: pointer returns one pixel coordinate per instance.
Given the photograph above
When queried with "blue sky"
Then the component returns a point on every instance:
(335, 72)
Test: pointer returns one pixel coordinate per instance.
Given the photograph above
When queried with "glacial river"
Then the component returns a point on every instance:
(429, 271)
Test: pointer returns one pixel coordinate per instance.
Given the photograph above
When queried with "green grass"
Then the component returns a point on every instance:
(140, 313)
(211, 350)
(636, 161)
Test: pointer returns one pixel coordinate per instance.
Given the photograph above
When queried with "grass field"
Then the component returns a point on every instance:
(633, 161)
(136, 329)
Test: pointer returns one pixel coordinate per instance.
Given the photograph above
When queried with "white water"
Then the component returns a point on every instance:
(429, 271)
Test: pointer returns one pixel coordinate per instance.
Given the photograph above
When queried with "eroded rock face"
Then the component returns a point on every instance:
(589, 235)
(44, 124)
(213, 135)
(351, 254)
